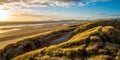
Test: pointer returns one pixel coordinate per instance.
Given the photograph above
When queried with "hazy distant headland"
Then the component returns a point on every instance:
(40, 22)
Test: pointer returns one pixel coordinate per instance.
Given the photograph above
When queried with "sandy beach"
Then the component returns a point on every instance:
(28, 32)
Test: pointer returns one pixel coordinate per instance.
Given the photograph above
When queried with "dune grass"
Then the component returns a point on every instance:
(84, 44)
(74, 48)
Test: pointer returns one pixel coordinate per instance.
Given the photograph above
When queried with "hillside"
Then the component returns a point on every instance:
(95, 40)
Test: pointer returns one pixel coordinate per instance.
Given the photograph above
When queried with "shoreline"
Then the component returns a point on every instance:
(16, 38)
(5, 43)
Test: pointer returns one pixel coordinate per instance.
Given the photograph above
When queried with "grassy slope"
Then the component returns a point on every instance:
(85, 44)
(8, 54)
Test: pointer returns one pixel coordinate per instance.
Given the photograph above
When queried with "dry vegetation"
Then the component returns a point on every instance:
(96, 40)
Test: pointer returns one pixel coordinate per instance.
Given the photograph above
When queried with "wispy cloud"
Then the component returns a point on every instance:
(31, 17)
(16, 8)
(24, 6)
(34, 15)
(115, 15)
(103, 14)
(100, 0)
(43, 3)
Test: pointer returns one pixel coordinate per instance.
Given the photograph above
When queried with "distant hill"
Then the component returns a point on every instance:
(95, 40)
(39, 22)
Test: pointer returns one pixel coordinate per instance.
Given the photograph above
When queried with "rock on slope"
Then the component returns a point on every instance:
(96, 40)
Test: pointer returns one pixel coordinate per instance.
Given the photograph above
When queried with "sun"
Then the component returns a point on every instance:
(4, 15)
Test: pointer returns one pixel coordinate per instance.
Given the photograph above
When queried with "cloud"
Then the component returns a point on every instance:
(100, 0)
(24, 6)
(43, 3)
(16, 8)
(103, 14)
(115, 15)
(33, 15)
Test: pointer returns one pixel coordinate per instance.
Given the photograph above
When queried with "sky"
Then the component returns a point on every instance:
(46, 10)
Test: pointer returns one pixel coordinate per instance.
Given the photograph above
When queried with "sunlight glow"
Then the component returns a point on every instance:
(4, 15)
